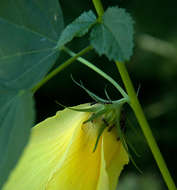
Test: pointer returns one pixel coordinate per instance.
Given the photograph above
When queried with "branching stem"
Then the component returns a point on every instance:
(60, 68)
(99, 71)
(134, 103)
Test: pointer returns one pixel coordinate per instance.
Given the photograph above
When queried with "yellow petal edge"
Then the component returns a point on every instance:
(59, 156)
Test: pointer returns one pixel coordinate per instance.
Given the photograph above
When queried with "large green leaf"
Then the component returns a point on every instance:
(16, 119)
(42, 17)
(29, 31)
(79, 27)
(114, 36)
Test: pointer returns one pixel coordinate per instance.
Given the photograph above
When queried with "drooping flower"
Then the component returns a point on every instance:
(60, 155)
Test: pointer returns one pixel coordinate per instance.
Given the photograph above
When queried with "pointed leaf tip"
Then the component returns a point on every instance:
(79, 27)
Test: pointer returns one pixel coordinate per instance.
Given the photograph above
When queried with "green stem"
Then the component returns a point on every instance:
(99, 8)
(100, 72)
(145, 126)
(60, 68)
(134, 102)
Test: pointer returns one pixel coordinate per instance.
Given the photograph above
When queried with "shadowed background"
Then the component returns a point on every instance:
(153, 67)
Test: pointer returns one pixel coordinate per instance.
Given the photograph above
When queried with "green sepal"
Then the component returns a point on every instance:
(95, 97)
(122, 139)
(96, 115)
(120, 134)
(101, 130)
(94, 108)
(107, 96)
(134, 163)
(91, 94)
(132, 148)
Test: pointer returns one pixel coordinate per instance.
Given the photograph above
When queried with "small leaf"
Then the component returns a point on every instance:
(16, 119)
(79, 27)
(114, 36)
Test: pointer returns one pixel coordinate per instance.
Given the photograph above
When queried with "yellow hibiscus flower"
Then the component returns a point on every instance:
(60, 156)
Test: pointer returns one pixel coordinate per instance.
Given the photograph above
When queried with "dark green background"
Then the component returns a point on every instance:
(157, 76)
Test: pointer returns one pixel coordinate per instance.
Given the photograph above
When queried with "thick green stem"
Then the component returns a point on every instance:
(145, 126)
(140, 114)
(60, 68)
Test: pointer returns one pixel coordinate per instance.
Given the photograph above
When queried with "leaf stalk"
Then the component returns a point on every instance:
(99, 7)
(100, 72)
(60, 68)
(134, 103)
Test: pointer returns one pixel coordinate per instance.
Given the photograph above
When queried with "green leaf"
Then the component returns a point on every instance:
(29, 30)
(79, 27)
(29, 33)
(114, 36)
(41, 17)
(16, 119)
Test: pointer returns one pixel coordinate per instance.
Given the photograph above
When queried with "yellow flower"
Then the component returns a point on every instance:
(60, 156)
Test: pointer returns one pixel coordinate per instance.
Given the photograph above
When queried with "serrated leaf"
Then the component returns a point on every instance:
(28, 34)
(114, 36)
(16, 119)
(79, 27)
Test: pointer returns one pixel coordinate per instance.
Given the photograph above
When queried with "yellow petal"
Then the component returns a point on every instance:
(81, 167)
(115, 156)
(48, 142)
(103, 181)
(60, 156)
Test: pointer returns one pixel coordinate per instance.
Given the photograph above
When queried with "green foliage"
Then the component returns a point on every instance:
(29, 33)
(142, 182)
(16, 119)
(79, 27)
(27, 42)
(114, 35)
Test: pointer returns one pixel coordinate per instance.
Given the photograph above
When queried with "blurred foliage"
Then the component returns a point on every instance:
(155, 72)
(143, 182)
